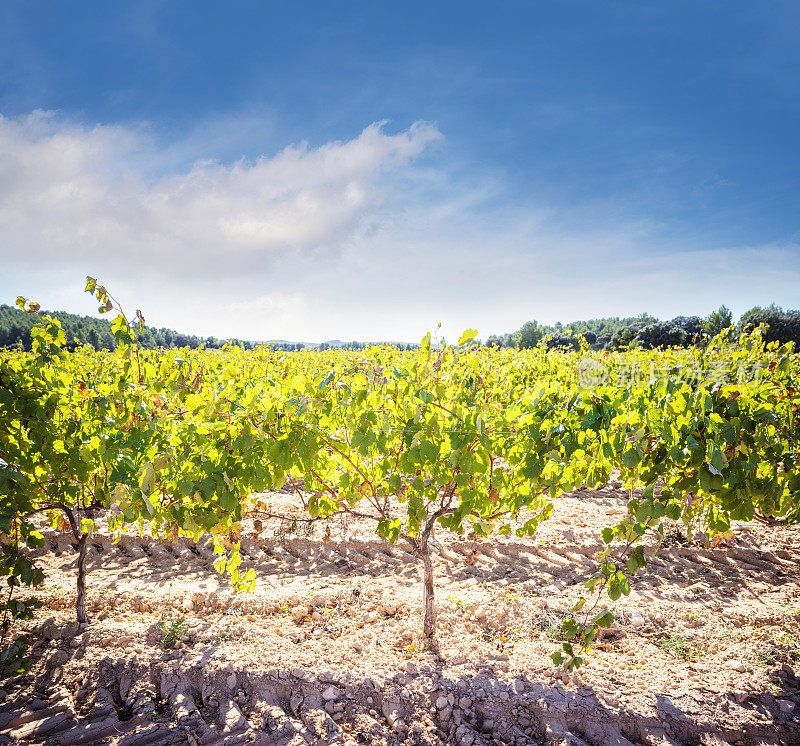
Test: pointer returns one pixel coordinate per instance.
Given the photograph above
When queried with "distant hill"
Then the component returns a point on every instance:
(15, 331)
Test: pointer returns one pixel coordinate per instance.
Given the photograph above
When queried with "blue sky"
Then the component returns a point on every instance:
(361, 170)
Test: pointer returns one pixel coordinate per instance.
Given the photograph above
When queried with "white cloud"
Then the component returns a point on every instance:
(69, 192)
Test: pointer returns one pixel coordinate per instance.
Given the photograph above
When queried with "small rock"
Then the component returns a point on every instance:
(371, 617)
(390, 712)
(232, 717)
(456, 660)
(465, 703)
(329, 694)
(740, 697)
(441, 702)
(412, 668)
(50, 629)
(59, 658)
(299, 614)
(786, 706)
(637, 620)
(231, 681)
(735, 665)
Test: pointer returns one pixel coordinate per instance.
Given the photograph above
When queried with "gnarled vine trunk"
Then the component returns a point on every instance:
(81, 537)
(80, 601)
(428, 600)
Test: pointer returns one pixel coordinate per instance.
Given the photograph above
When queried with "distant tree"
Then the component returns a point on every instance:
(625, 335)
(660, 335)
(530, 335)
(602, 343)
(718, 321)
(494, 341)
(561, 341)
(692, 327)
(784, 326)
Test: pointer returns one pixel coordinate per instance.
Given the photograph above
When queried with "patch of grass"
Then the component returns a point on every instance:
(680, 646)
(550, 623)
(173, 630)
(766, 656)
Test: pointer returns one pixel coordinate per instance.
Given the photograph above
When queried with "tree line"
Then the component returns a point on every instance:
(649, 332)
(611, 333)
(16, 326)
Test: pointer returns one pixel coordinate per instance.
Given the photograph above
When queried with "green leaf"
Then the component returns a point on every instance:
(604, 619)
(467, 336)
(147, 478)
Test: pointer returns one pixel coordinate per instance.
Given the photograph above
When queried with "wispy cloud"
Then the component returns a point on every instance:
(69, 192)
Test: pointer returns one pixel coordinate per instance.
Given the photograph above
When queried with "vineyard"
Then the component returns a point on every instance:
(255, 484)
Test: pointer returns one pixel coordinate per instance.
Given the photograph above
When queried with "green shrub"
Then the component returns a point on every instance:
(659, 335)
(784, 326)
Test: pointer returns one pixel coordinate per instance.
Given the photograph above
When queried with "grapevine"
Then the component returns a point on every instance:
(460, 438)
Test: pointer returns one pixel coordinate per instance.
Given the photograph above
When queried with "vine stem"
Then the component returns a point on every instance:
(81, 537)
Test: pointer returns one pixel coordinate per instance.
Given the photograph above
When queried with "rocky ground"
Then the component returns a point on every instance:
(327, 649)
